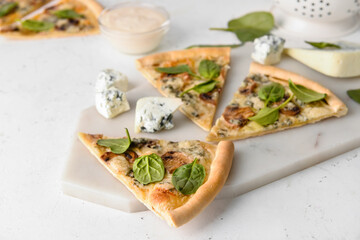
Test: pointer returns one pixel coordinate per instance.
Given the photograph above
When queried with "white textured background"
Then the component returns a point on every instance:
(43, 87)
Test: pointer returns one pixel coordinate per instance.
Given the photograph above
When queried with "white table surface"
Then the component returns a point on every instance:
(43, 87)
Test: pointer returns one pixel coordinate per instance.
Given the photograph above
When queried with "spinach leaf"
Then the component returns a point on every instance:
(189, 177)
(322, 45)
(304, 94)
(271, 93)
(268, 115)
(149, 168)
(209, 69)
(117, 146)
(68, 13)
(7, 8)
(250, 26)
(37, 26)
(176, 70)
(204, 87)
(215, 46)
(354, 95)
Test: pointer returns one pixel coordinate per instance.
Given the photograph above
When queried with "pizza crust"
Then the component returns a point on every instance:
(222, 155)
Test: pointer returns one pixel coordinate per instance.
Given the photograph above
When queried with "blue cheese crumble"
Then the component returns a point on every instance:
(111, 78)
(111, 102)
(155, 113)
(268, 49)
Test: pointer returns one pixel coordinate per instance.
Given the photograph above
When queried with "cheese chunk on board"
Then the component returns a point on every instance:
(111, 102)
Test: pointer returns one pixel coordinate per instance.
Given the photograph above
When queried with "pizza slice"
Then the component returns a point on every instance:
(272, 99)
(66, 18)
(14, 10)
(197, 76)
(175, 180)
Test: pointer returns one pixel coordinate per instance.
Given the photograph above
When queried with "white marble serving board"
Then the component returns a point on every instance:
(257, 161)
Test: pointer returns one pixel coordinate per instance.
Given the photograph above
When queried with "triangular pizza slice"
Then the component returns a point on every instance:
(64, 19)
(175, 180)
(271, 99)
(197, 76)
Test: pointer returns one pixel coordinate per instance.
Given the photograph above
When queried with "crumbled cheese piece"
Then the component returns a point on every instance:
(111, 102)
(268, 49)
(111, 78)
(155, 113)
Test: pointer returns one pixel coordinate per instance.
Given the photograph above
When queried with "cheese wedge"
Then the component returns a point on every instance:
(344, 62)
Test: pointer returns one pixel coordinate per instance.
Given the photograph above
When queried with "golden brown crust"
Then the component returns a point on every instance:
(282, 75)
(144, 63)
(220, 169)
(166, 202)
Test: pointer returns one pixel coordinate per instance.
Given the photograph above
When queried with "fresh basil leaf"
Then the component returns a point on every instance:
(7, 8)
(250, 26)
(354, 95)
(209, 69)
(204, 87)
(148, 169)
(175, 70)
(271, 93)
(215, 46)
(37, 26)
(322, 45)
(268, 115)
(189, 177)
(304, 94)
(117, 146)
(68, 13)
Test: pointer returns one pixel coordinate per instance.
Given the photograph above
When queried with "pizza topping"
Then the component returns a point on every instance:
(68, 14)
(290, 109)
(111, 102)
(148, 169)
(210, 97)
(209, 69)
(249, 87)
(130, 156)
(155, 113)
(237, 116)
(271, 93)
(117, 146)
(108, 156)
(172, 160)
(176, 69)
(202, 87)
(304, 94)
(144, 142)
(7, 8)
(37, 26)
(189, 177)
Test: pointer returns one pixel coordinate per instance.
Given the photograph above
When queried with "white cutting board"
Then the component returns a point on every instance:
(257, 161)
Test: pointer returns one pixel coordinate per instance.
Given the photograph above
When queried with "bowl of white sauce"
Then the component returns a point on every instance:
(134, 27)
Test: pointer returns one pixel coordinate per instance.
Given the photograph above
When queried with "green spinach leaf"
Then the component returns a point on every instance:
(209, 69)
(322, 45)
(268, 115)
(7, 8)
(37, 26)
(271, 93)
(304, 94)
(175, 70)
(189, 177)
(250, 26)
(215, 46)
(148, 169)
(204, 87)
(354, 95)
(68, 13)
(117, 146)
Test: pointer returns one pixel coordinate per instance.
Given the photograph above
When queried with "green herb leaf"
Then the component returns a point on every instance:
(37, 26)
(189, 177)
(268, 115)
(271, 93)
(354, 95)
(7, 8)
(68, 13)
(148, 169)
(250, 26)
(215, 46)
(322, 45)
(202, 87)
(117, 146)
(209, 69)
(304, 94)
(176, 70)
